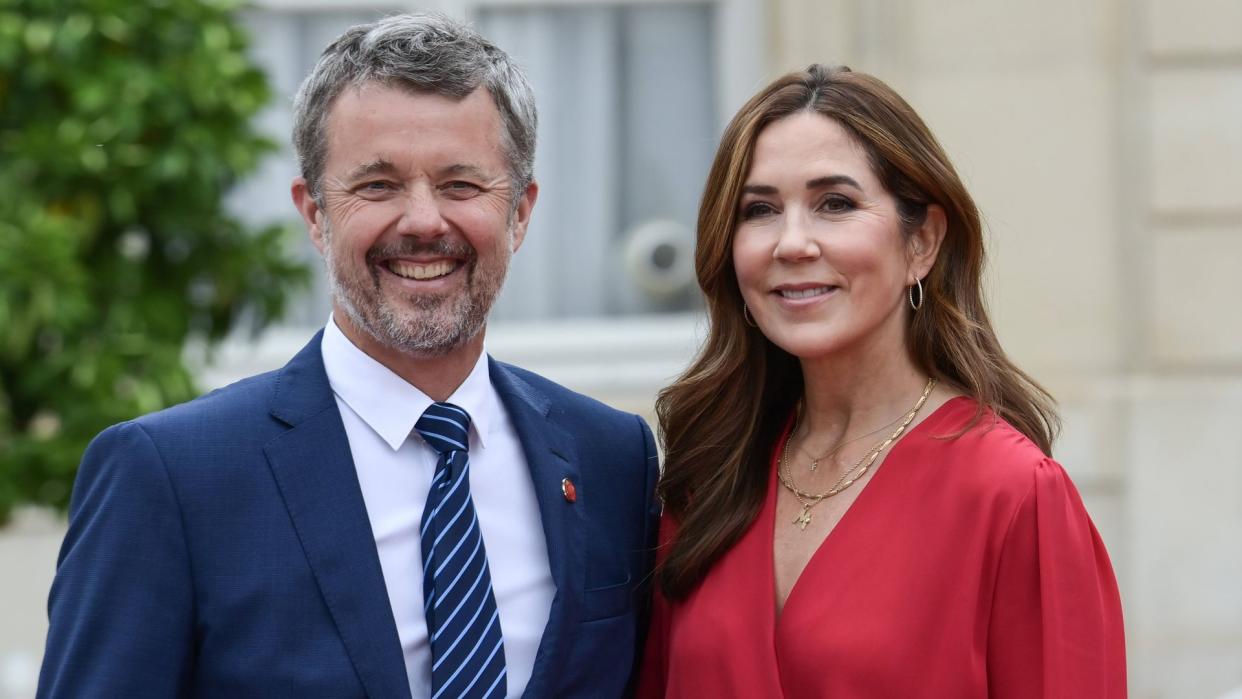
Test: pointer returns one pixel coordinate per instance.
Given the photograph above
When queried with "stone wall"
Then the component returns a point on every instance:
(1103, 142)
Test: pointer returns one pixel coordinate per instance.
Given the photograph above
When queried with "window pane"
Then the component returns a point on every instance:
(626, 135)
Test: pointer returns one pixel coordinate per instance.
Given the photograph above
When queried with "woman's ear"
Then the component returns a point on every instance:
(925, 243)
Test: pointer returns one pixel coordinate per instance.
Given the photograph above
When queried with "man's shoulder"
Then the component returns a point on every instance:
(618, 446)
(241, 403)
(563, 400)
(221, 432)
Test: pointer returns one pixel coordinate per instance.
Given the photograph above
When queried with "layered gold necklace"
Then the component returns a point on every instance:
(815, 460)
(851, 475)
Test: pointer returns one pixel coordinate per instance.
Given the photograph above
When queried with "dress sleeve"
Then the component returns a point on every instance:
(1055, 627)
(654, 670)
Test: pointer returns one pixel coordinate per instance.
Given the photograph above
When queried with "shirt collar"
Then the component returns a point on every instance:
(391, 406)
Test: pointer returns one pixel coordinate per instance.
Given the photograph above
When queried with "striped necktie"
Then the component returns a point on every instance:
(467, 650)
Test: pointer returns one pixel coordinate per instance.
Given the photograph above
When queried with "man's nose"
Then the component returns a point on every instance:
(420, 212)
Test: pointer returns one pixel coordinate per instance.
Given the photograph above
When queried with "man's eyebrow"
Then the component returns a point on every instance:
(370, 168)
(465, 169)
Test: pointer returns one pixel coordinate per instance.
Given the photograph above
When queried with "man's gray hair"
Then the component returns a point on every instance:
(424, 53)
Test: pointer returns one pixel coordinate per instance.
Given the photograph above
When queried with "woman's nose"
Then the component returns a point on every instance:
(795, 242)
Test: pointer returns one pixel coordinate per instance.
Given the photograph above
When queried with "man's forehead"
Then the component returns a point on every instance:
(478, 99)
(375, 127)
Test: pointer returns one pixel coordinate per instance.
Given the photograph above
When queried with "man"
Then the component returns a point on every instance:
(392, 513)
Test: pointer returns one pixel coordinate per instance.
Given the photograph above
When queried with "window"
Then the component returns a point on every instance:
(631, 100)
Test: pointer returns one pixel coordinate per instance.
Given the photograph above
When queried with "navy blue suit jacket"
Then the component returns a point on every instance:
(221, 548)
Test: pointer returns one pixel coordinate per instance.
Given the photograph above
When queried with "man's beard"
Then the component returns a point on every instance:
(421, 325)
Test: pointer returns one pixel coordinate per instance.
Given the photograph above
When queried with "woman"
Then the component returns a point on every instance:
(859, 500)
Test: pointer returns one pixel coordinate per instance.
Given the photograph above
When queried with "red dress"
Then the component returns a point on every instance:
(966, 568)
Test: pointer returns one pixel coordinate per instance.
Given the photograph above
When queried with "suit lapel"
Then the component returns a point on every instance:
(314, 470)
(551, 456)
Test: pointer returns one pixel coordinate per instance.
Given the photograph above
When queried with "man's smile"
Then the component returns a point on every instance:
(422, 270)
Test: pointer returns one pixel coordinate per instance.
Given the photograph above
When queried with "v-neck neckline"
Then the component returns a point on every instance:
(867, 488)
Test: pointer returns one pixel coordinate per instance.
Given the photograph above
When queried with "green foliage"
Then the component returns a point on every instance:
(122, 126)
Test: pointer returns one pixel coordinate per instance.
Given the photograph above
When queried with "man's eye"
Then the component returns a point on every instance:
(460, 188)
(376, 186)
(757, 209)
(837, 204)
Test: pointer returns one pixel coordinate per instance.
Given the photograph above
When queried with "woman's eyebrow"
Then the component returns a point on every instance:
(760, 189)
(830, 180)
(817, 183)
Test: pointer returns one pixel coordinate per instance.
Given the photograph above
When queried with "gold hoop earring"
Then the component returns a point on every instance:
(916, 285)
(746, 316)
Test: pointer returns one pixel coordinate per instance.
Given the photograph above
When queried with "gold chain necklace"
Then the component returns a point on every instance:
(851, 476)
(833, 451)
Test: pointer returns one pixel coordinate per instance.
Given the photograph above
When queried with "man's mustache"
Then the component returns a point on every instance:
(409, 247)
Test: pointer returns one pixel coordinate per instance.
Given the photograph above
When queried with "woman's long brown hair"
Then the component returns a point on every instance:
(722, 416)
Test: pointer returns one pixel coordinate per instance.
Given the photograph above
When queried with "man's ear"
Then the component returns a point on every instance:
(310, 211)
(521, 217)
(925, 243)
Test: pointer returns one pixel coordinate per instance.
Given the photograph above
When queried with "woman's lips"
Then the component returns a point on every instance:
(805, 293)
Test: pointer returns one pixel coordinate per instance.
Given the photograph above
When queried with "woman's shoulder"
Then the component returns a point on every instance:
(974, 445)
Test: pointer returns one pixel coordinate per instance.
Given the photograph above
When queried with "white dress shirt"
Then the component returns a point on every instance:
(395, 467)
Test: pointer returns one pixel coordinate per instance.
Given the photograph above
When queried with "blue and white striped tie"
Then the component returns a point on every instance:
(467, 649)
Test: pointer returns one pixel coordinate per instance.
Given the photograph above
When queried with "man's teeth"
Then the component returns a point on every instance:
(414, 270)
(804, 293)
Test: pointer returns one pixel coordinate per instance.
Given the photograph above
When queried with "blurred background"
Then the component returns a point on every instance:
(148, 249)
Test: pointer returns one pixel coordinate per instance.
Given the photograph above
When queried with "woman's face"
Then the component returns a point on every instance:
(819, 252)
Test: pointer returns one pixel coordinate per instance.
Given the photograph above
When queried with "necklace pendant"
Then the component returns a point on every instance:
(814, 464)
(804, 518)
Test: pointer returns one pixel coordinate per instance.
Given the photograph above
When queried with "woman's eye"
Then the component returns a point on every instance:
(757, 209)
(837, 204)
